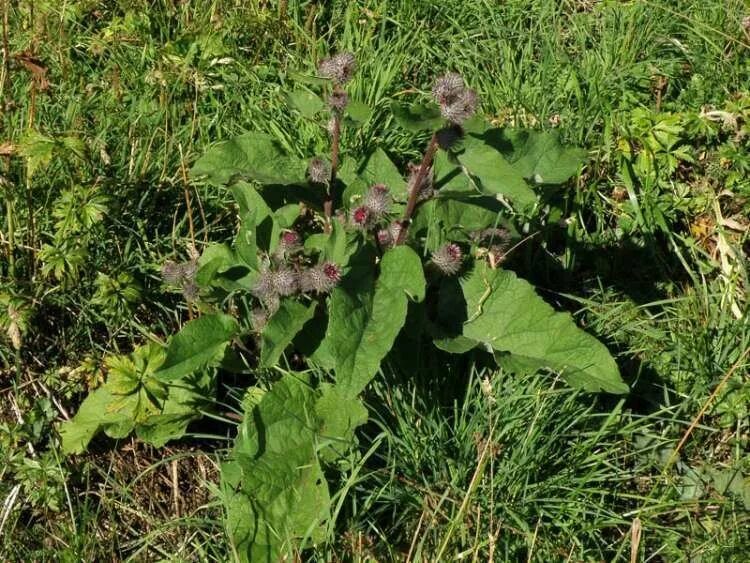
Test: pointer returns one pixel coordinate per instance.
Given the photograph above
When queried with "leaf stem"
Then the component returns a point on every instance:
(416, 187)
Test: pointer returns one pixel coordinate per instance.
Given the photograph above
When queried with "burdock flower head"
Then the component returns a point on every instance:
(338, 100)
(426, 190)
(285, 282)
(492, 236)
(378, 201)
(264, 288)
(182, 275)
(339, 68)
(320, 279)
(448, 259)
(496, 242)
(457, 102)
(319, 170)
(360, 217)
(389, 236)
(289, 243)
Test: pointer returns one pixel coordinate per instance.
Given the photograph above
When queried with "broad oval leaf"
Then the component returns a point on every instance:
(198, 345)
(359, 112)
(366, 317)
(274, 490)
(417, 116)
(254, 156)
(376, 168)
(495, 174)
(506, 313)
(305, 102)
(538, 156)
(281, 329)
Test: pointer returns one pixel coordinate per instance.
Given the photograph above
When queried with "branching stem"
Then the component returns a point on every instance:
(416, 188)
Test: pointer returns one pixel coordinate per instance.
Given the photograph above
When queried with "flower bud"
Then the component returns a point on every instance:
(448, 136)
(338, 100)
(171, 273)
(321, 278)
(285, 282)
(378, 201)
(359, 217)
(448, 259)
(289, 244)
(258, 319)
(425, 189)
(263, 287)
(457, 102)
(448, 88)
(339, 68)
(319, 170)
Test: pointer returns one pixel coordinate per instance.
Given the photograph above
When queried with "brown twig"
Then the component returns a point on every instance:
(416, 187)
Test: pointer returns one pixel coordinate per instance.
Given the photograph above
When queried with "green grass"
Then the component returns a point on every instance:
(561, 477)
(143, 88)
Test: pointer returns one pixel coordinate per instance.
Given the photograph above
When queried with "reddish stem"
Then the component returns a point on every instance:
(416, 187)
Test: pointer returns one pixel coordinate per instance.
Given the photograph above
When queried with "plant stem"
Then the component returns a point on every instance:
(416, 187)
(32, 224)
(6, 51)
(335, 143)
(11, 236)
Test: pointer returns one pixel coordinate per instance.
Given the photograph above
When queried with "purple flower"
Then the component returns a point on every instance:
(457, 102)
(339, 68)
(448, 259)
(378, 200)
(338, 100)
(360, 216)
(320, 279)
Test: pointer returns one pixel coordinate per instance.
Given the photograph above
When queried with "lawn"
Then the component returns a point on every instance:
(622, 130)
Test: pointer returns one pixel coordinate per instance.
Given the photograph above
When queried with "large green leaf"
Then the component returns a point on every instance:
(94, 415)
(376, 168)
(444, 219)
(198, 345)
(417, 117)
(507, 314)
(253, 156)
(216, 258)
(274, 489)
(495, 175)
(281, 329)
(307, 103)
(339, 415)
(366, 317)
(260, 227)
(132, 399)
(183, 404)
(538, 155)
(358, 112)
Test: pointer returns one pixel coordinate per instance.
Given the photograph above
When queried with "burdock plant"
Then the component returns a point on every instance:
(342, 259)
